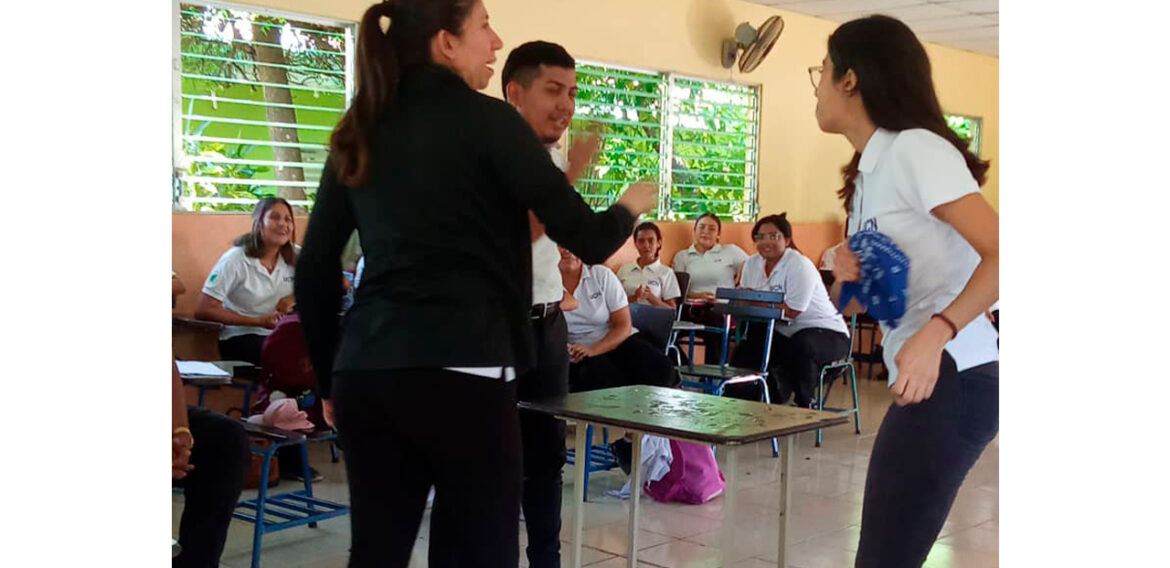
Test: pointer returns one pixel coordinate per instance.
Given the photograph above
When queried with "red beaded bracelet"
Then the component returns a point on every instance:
(954, 328)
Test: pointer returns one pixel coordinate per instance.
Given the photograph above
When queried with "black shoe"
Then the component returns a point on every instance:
(298, 475)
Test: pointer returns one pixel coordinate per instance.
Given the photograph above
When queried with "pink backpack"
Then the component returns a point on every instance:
(694, 476)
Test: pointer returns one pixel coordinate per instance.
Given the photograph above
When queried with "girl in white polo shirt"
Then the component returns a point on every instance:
(915, 181)
(710, 266)
(647, 280)
(251, 287)
(249, 290)
(817, 334)
(604, 348)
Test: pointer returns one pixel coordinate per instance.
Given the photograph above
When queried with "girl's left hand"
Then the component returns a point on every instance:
(918, 362)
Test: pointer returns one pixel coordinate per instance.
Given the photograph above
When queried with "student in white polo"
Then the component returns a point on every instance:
(917, 182)
(251, 287)
(647, 280)
(816, 335)
(249, 290)
(710, 266)
(604, 348)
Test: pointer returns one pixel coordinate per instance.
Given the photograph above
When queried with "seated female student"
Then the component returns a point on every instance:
(251, 287)
(249, 290)
(817, 334)
(604, 348)
(646, 280)
(711, 266)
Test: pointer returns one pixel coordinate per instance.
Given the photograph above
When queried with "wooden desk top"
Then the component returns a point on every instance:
(688, 415)
(194, 324)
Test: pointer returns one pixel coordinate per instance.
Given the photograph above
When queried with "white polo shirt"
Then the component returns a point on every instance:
(901, 177)
(658, 277)
(599, 294)
(713, 269)
(804, 291)
(546, 274)
(247, 288)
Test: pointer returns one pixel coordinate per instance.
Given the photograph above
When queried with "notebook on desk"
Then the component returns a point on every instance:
(202, 370)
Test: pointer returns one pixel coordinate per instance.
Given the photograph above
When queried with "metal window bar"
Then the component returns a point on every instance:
(234, 20)
(202, 37)
(302, 145)
(265, 123)
(296, 68)
(290, 86)
(230, 101)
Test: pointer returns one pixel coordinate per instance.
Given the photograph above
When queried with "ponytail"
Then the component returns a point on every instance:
(394, 38)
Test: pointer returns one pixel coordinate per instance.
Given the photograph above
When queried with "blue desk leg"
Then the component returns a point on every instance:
(202, 390)
(691, 350)
(247, 399)
(261, 500)
(308, 477)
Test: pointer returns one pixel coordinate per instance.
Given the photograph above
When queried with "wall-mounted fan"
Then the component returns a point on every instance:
(755, 44)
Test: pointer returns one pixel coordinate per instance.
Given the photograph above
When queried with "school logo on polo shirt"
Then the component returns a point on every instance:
(595, 295)
(214, 275)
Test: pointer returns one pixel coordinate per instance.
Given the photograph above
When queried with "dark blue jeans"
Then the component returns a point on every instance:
(920, 457)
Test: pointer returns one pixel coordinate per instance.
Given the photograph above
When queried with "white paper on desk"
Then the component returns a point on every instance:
(201, 369)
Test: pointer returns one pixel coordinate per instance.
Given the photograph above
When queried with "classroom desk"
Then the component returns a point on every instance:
(687, 416)
(243, 376)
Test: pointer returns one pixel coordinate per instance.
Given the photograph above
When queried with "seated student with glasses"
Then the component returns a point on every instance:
(817, 334)
(604, 348)
(711, 266)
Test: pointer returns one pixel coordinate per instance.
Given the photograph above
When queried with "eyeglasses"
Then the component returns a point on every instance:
(814, 74)
(760, 237)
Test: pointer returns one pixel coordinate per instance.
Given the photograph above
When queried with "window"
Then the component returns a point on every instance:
(968, 128)
(257, 95)
(697, 138)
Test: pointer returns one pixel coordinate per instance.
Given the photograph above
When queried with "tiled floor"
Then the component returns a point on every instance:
(823, 531)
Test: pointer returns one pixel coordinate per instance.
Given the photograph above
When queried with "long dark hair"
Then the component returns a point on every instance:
(253, 241)
(648, 226)
(780, 222)
(382, 59)
(893, 74)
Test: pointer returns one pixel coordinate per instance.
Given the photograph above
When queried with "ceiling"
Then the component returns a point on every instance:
(972, 25)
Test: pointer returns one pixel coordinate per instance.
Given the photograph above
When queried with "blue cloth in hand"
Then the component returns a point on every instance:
(885, 273)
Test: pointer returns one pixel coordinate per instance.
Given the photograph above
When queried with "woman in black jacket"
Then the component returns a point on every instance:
(438, 180)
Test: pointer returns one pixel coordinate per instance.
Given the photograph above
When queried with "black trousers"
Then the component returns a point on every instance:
(405, 430)
(242, 348)
(543, 442)
(247, 348)
(212, 489)
(635, 362)
(795, 364)
(920, 457)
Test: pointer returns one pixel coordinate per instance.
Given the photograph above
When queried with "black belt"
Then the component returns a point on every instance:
(541, 311)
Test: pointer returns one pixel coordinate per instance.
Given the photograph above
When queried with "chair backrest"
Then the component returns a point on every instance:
(654, 322)
(745, 305)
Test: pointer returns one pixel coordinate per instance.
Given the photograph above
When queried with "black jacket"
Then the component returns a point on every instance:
(444, 229)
